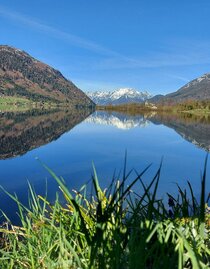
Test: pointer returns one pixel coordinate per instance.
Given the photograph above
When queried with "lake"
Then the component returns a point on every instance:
(70, 141)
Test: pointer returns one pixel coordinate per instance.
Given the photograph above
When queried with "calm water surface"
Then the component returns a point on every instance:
(69, 141)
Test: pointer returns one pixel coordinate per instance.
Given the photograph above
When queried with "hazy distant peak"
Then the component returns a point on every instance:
(119, 96)
(122, 91)
(128, 92)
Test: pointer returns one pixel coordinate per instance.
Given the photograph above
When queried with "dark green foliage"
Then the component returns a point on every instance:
(21, 91)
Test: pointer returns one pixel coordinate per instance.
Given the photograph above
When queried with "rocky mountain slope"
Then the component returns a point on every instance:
(197, 89)
(22, 75)
(120, 96)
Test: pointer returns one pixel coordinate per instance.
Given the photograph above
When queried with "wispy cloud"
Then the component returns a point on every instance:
(156, 60)
(174, 56)
(56, 33)
(92, 85)
(184, 79)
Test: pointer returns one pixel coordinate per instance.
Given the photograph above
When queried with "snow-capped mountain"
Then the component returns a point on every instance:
(120, 96)
(118, 120)
(197, 89)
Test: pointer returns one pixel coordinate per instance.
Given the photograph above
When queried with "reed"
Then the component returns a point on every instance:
(111, 228)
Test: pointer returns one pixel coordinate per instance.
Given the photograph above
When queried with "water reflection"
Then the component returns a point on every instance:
(21, 132)
(119, 120)
(193, 128)
(102, 138)
(24, 131)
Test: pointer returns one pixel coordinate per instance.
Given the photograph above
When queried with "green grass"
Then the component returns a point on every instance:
(111, 228)
(13, 100)
(13, 103)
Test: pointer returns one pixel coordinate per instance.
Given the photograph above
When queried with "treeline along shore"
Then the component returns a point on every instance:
(190, 106)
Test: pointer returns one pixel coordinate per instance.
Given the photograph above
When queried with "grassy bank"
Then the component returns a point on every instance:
(12, 103)
(111, 228)
(18, 104)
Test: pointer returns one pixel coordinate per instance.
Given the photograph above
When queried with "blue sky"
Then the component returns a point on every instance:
(102, 45)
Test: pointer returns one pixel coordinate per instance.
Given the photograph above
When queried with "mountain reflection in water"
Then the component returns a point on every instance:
(98, 138)
(24, 131)
(193, 128)
(21, 132)
(119, 120)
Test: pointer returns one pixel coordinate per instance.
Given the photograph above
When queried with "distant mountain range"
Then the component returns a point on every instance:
(120, 96)
(22, 75)
(197, 89)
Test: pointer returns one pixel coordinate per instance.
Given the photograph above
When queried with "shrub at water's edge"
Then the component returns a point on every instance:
(113, 228)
